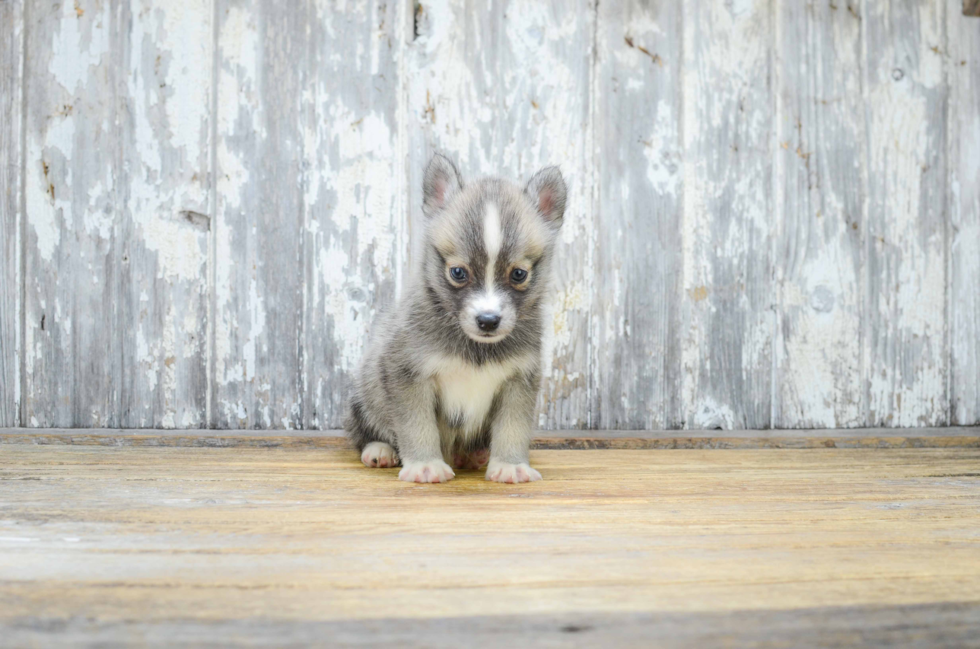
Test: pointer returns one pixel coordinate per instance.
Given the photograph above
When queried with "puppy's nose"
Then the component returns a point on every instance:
(488, 321)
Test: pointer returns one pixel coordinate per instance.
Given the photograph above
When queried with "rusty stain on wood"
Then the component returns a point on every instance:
(653, 57)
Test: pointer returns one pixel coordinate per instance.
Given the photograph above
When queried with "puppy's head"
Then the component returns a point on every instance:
(488, 246)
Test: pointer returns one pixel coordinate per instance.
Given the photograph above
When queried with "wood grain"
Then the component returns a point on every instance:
(11, 282)
(504, 88)
(917, 626)
(355, 239)
(727, 326)
(964, 217)
(233, 544)
(72, 365)
(264, 79)
(819, 232)
(773, 218)
(164, 203)
(956, 437)
(117, 137)
(639, 170)
(906, 352)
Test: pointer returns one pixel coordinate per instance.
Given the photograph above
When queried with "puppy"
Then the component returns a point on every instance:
(452, 373)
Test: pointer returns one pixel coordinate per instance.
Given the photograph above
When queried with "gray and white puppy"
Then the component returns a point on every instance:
(452, 373)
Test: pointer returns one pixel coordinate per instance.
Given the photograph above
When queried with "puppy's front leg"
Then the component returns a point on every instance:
(418, 436)
(511, 432)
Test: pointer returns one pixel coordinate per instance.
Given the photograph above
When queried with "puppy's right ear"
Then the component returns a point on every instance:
(440, 184)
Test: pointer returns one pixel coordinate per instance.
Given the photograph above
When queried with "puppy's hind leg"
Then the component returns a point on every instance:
(375, 451)
(379, 455)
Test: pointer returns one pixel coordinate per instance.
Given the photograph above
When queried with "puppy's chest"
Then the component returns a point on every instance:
(466, 392)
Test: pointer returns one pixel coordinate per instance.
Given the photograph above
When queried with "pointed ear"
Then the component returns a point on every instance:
(440, 183)
(547, 191)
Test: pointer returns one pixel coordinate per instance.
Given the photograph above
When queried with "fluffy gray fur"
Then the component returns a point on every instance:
(434, 386)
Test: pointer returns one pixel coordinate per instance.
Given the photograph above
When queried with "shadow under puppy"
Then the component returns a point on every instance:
(453, 371)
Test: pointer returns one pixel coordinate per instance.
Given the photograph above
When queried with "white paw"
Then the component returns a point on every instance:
(379, 455)
(432, 471)
(511, 473)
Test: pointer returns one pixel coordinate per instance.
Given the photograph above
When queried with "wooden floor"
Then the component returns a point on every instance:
(280, 547)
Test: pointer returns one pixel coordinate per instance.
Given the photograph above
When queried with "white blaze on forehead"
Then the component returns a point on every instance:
(492, 238)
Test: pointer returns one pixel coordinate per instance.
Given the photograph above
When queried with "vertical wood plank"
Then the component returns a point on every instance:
(71, 361)
(504, 88)
(116, 151)
(726, 366)
(162, 228)
(964, 196)
(818, 379)
(639, 180)
(11, 282)
(905, 324)
(354, 227)
(264, 77)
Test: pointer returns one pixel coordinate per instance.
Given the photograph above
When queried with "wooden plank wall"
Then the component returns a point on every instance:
(11, 284)
(774, 214)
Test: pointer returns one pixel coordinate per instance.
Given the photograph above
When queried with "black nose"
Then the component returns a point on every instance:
(488, 321)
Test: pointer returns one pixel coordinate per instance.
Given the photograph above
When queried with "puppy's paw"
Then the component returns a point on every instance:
(432, 471)
(473, 460)
(379, 455)
(511, 473)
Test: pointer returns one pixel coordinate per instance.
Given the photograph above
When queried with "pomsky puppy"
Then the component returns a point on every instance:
(452, 372)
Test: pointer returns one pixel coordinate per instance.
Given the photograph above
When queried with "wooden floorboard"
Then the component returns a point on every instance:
(289, 547)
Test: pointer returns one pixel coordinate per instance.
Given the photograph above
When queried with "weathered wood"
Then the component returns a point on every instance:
(11, 282)
(73, 174)
(638, 167)
(818, 225)
(906, 352)
(162, 221)
(308, 236)
(757, 231)
(354, 232)
(234, 544)
(505, 88)
(968, 437)
(913, 626)
(265, 87)
(726, 353)
(117, 138)
(964, 216)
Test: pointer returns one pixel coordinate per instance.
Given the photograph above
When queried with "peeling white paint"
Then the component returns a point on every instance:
(507, 95)
(78, 46)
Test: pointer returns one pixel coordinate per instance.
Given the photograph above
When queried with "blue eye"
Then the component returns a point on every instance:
(458, 274)
(518, 275)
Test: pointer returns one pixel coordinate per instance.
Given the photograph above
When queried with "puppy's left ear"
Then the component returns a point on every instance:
(440, 184)
(547, 191)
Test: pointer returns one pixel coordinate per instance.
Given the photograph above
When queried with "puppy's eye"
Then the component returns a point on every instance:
(518, 275)
(458, 274)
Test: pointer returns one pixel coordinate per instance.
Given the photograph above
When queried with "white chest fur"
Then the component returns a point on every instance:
(466, 391)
